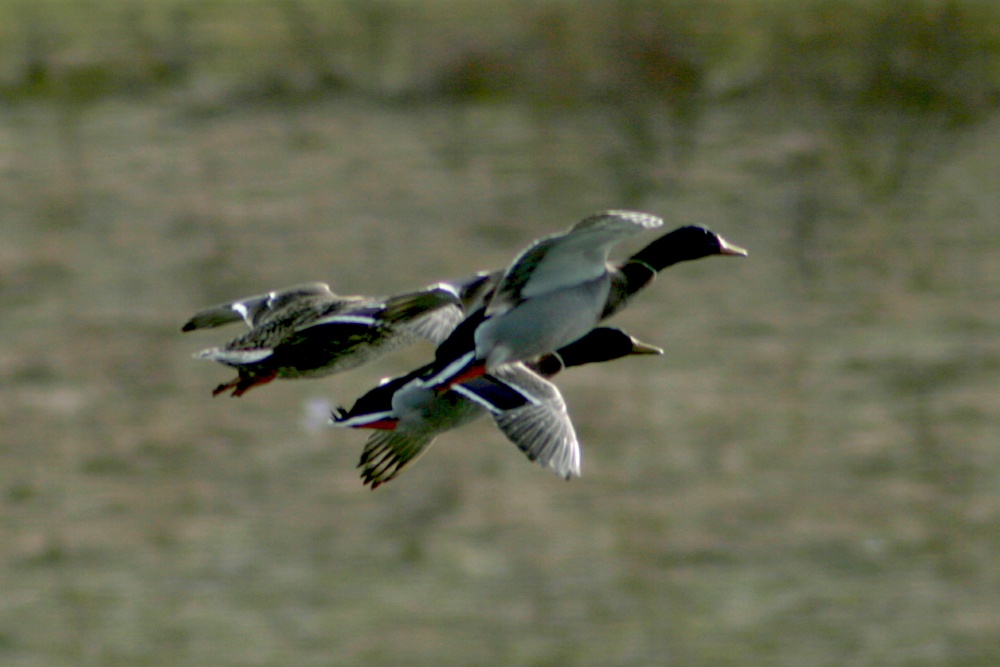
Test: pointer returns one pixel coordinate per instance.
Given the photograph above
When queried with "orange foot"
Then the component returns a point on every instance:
(244, 383)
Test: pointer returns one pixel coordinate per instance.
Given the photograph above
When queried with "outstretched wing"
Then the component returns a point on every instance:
(541, 427)
(562, 260)
(253, 309)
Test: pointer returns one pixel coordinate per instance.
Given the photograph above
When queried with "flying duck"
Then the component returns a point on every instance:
(307, 331)
(552, 294)
(408, 414)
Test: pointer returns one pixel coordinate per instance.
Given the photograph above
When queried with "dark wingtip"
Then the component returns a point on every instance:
(406, 307)
(188, 326)
(368, 478)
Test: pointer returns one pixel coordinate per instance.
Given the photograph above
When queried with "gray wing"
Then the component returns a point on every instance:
(618, 222)
(511, 289)
(433, 312)
(542, 429)
(571, 258)
(406, 307)
(438, 324)
(476, 290)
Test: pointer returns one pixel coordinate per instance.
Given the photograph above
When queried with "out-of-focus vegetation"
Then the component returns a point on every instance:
(809, 476)
(919, 54)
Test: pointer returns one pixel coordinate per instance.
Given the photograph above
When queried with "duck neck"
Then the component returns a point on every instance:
(681, 245)
(549, 364)
(628, 279)
(637, 274)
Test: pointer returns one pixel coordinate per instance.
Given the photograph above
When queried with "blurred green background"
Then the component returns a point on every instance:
(809, 476)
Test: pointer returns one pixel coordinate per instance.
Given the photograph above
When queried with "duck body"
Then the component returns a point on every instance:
(539, 325)
(408, 414)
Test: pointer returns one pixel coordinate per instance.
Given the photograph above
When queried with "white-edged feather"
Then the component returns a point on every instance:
(450, 370)
(236, 357)
(343, 318)
(364, 419)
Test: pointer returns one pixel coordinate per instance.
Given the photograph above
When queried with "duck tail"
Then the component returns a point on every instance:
(386, 453)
